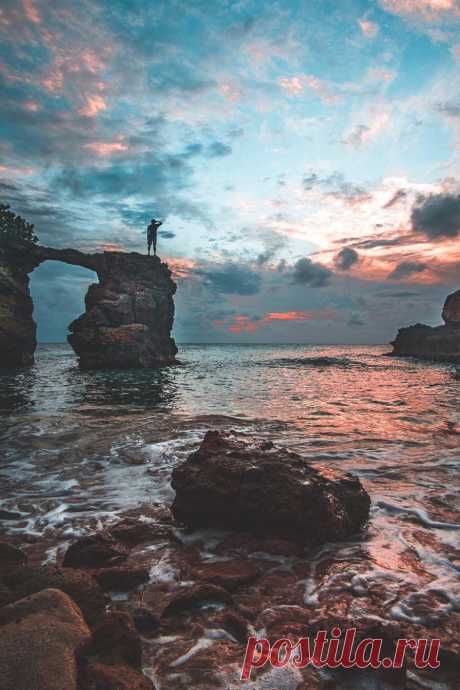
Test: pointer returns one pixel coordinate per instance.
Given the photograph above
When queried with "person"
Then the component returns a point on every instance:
(152, 234)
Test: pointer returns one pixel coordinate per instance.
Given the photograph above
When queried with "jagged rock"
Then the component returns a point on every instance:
(440, 343)
(128, 318)
(40, 636)
(230, 483)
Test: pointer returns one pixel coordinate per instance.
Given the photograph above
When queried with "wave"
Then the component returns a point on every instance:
(321, 361)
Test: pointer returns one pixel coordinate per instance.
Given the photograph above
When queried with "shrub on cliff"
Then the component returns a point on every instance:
(13, 228)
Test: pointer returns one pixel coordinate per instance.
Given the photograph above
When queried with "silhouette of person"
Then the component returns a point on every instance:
(152, 234)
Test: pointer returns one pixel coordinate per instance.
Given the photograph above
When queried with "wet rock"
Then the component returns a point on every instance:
(228, 574)
(40, 636)
(95, 551)
(230, 483)
(79, 585)
(111, 659)
(145, 620)
(98, 676)
(9, 515)
(441, 343)
(115, 641)
(11, 557)
(236, 625)
(131, 531)
(121, 578)
(196, 596)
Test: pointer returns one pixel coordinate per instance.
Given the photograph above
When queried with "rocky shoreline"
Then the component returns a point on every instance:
(437, 344)
(150, 602)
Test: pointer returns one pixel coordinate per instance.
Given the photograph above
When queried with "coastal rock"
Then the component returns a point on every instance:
(111, 659)
(230, 483)
(95, 551)
(40, 636)
(440, 343)
(11, 558)
(17, 327)
(79, 585)
(129, 312)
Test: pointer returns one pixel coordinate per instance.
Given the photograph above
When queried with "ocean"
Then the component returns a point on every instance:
(79, 448)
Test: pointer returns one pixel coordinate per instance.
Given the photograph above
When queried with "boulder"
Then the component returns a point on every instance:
(95, 551)
(231, 483)
(77, 584)
(11, 558)
(111, 660)
(439, 343)
(40, 636)
(121, 578)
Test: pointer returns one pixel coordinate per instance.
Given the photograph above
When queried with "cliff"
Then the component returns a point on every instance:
(129, 312)
(440, 343)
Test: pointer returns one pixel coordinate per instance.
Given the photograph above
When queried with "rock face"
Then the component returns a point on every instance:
(17, 327)
(271, 491)
(439, 344)
(128, 318)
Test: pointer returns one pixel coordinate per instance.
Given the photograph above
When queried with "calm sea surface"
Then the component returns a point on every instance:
(77, 448)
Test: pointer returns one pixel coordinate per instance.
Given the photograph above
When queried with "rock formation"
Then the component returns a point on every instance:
(440, 343)
(271, 491)
(128, 318)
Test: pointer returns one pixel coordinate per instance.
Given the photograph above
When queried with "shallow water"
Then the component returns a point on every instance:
(77, 448)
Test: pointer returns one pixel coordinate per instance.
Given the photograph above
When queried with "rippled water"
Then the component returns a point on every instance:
(76, 448)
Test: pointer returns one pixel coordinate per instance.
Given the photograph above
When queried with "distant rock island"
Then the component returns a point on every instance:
(440, 343)
(129, 312)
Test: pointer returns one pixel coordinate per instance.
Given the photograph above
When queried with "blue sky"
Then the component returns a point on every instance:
(269, 137)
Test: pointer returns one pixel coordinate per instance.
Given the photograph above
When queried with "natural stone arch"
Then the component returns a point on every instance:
(129, 312)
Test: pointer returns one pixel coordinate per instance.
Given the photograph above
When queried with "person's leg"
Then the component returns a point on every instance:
(155, 245)
(149, 244)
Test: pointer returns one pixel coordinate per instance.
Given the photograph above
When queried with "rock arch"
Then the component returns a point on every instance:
(128, 317)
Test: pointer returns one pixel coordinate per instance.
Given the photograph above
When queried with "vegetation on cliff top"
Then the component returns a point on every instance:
(14, 229)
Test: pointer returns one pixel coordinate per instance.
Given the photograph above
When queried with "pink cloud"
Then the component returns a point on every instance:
(105, 148)
(369, 29)
(426, 9)
(244, 324)
(31, 11)
(296, 85)
(94, 105)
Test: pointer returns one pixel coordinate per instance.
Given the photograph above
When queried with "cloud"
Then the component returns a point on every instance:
(306, 272)
(346, 258)
(166, 234)
(449, 109)
(437, 215)
(406, 269)
(424, 9)
(250, 324)
(295, 86)
(368, 28)
(218, 149)
(231, 279)
(337, 186)
(398, 196)
(355, 320)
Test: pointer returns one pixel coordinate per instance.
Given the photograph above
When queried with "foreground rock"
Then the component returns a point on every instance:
(439, 344)
(230, 483)
(40, 637)
(129, 312)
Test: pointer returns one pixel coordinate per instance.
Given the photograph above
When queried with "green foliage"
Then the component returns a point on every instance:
(13, 228)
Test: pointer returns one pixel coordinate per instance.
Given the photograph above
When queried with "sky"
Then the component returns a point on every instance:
(302, 154)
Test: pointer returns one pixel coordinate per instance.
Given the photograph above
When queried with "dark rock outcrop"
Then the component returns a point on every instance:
(273, 492)
(128, 318)
(440, 343)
